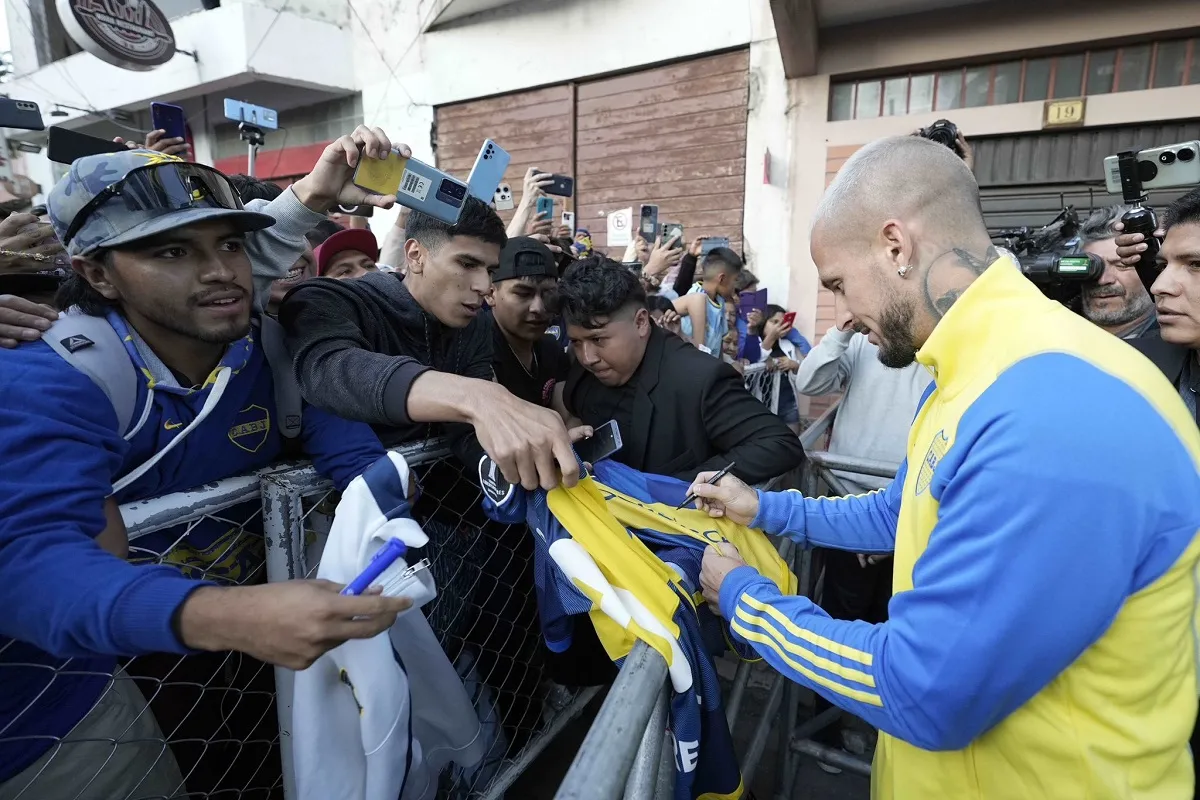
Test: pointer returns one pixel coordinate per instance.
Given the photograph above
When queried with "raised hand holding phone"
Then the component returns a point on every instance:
(331, 181)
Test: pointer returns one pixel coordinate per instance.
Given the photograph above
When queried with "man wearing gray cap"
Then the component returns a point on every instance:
(155, 382)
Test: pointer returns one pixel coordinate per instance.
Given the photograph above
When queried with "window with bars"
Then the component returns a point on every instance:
(1156, 65)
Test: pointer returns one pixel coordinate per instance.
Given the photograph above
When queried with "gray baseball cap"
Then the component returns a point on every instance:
(158, 193)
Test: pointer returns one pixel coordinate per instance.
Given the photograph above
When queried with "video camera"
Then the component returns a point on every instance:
(1049, 256)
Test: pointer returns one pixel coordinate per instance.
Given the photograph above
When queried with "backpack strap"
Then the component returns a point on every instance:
(288, 402)
(91, 345)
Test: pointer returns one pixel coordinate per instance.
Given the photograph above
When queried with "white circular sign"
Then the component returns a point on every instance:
(131, 34)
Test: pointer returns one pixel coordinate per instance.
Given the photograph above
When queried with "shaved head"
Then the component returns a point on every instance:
(892, 236)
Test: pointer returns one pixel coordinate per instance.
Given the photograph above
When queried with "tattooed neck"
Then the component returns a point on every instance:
(949, 275)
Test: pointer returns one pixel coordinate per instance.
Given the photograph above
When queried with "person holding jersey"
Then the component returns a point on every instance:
(167, 268)
(1040, 640)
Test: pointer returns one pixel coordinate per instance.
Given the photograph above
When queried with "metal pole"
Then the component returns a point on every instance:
(740, 679)
(863, 466)
(759, 742)
(606, 755)
(643, 778)
(250, 158)
(832, 757)
(666, 770)
(283, 534)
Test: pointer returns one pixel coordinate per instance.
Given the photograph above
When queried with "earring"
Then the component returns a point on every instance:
(903, 270)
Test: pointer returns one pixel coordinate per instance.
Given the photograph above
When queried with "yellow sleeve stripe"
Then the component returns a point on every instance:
(748, 618)
(837, 648)
(870, 698)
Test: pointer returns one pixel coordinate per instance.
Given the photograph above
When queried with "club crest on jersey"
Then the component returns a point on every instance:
(250, 428)
(937, 449)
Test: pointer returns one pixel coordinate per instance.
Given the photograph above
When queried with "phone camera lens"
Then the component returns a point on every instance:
(1147, 171)
(1186, 154)
(1167, 157)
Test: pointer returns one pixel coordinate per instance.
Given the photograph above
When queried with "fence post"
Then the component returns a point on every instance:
(283, 537)
(605, 758)
(643, 778)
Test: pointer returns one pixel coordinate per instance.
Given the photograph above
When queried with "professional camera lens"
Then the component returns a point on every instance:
(1186, 154)
(1166, 157)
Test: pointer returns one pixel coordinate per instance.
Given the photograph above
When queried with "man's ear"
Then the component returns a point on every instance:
(642, 321)
(490, 297)
(93, 272)
(414, 257)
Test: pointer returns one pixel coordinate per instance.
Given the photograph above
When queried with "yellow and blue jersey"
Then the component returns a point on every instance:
(1041, 641)
(615, 547)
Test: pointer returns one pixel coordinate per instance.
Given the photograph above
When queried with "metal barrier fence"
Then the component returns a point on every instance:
(627, 752)
(220, 723)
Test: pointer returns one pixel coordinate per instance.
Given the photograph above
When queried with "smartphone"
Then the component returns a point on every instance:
(169, 118)
(710, 243)
(545, 208)
(488, 171)
(429, 190)
(752, 301)
(1174, 166)
(561, 186)
(604, 442)
(503, 199)
(22, 114)
(258, 116)
(648, 227)
(672, 230)
(789, 319)
(65, 146)
(568, 220)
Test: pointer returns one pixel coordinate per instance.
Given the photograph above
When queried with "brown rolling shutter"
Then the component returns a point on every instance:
(674, 136)
(534, 127)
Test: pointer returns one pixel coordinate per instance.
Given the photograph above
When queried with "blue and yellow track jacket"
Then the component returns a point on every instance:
(1042, 636)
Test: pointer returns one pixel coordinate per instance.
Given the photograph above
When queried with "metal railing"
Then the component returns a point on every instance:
(218, 725)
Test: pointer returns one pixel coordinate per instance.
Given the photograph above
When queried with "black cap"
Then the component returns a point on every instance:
(525, 257)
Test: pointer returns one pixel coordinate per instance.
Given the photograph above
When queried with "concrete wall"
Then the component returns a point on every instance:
(979, 33)
(526, 45)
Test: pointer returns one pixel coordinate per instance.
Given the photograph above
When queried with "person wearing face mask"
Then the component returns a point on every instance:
(1010, 666)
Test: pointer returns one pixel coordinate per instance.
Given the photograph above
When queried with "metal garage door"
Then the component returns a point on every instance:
(535, 127)
(1028, 179)
(672, 135)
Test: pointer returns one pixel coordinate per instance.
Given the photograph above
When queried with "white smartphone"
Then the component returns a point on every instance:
(503, 199)
(1174, 166)
(568, 220)
(604, 442)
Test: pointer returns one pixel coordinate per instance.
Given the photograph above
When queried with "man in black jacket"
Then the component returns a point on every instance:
(1176, 348)
(405, 352)
(679, 410)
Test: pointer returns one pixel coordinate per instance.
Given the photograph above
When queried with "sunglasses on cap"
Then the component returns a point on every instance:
(157, 189)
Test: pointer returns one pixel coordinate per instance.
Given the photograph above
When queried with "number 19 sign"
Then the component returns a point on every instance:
(1064, 113)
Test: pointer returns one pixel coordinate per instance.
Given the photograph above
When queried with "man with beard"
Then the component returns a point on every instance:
(165, 263)
(1010, 666)
(1118, 302)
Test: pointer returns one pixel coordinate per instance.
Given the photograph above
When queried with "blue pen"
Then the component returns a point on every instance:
(384, 558)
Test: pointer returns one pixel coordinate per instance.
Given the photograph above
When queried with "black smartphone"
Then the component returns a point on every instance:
(648, 227)
(22, 114)
(169, 118)
(710, 243)
(563, 186)
(604, 441)
(64, 146)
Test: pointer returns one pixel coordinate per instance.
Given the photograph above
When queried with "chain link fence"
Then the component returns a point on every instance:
(218, 725)
(764, 384)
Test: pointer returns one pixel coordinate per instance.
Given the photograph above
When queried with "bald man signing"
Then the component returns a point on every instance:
(1041, 637)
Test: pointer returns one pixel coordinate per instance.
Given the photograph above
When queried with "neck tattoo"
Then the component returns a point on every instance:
(949, 275)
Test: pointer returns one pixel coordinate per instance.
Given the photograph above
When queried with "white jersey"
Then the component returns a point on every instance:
(378, 719)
